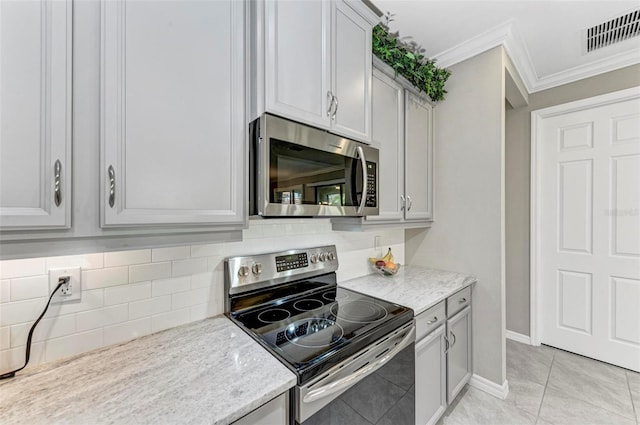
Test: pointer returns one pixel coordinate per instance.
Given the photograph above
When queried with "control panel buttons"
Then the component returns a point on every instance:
(256, 268)
(243, 271)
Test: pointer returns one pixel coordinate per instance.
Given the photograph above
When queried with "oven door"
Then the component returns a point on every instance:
(304, 171)
(375, 383)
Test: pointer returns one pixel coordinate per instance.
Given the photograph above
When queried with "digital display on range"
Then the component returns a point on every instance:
(291, 262)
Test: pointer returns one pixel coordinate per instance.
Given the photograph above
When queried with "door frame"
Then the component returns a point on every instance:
(537, 118)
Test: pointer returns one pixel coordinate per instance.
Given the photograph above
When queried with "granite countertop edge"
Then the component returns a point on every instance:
(418, 288)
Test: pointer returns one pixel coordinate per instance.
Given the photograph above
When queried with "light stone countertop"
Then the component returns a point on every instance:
(208, 372)
(414, 287)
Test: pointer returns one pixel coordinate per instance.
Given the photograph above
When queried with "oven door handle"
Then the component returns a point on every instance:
(363, 161)
(347, 381)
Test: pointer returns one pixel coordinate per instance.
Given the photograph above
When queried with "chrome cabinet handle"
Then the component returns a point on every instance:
(403, 203)
(462, 300)
(432, 321)
(335, 111)
(410, 203)
(446, 344)
(363, 161)
(112, 186)
(454, 338)
(57, 191)
(330, 102)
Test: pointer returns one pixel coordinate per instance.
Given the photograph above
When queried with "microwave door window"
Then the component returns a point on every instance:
(303, 175)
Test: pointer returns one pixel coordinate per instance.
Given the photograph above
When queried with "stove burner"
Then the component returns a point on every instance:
(359, 311)
(273, 315)
(307, 304)
(331, 296)
(313, 333)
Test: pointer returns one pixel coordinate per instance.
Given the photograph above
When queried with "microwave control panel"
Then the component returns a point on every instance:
(372, 191)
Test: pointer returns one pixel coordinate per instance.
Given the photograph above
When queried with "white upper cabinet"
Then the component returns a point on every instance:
(297, 71)
(35, 114)
(172, 105)
(312, 63)
(418, 158)
(351, 73)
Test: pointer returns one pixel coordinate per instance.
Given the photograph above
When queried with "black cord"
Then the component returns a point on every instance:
(61, 281)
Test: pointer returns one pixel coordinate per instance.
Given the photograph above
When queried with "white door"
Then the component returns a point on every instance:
(173, 126)
(351, 73)
(589, 227)
(388, 135)
(35, 114)
(418, 158)
(297, 69)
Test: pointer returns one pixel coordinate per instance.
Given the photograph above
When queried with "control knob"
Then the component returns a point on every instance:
(256, 268)
(332, 256)
(314, 258)
(323, 256)
(243, 271)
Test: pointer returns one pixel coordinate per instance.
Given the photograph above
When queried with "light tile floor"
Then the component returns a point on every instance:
(552, 387)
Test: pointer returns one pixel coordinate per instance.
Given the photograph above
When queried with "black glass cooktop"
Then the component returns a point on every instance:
(315, 330)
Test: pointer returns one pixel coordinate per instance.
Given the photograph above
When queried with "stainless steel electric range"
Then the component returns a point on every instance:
(353, 354)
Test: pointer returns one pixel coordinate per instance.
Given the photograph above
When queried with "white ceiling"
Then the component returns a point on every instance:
(543, 38)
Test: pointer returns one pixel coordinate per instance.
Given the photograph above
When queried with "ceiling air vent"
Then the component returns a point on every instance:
(613, 31)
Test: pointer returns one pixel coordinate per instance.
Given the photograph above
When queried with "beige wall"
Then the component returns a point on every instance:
(518, 142)
(467, 235)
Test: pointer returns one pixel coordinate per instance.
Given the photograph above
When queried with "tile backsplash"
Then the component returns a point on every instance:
(128, 294)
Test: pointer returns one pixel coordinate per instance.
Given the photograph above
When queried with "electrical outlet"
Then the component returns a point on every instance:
(69, 291)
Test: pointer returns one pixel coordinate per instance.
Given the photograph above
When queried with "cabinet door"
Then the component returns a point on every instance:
(419, 158)
(35, 114)
(388, 135)
(274, 412)
(459, 354)
(431, 394)
(297, 70)
(351, 73)
(172, 105)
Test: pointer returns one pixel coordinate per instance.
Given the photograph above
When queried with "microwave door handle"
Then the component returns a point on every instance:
(349, 380)
(363, 161)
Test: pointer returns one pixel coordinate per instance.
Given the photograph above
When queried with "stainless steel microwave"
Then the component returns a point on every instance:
(301, 171)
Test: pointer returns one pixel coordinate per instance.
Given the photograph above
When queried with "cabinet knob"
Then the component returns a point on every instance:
(410, 203)
(112, 186)
(432, 321)
(403, 203)
(462, 300)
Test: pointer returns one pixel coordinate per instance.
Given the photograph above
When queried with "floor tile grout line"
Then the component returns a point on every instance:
(633, 404)
(546, 383)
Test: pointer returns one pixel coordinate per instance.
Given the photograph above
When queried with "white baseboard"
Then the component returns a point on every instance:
(515, 336)
(489, 387)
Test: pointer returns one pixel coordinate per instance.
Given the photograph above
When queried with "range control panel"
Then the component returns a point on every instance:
(244, 273)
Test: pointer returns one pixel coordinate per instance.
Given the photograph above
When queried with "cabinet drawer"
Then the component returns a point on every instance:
(458, 301)
(429, 320)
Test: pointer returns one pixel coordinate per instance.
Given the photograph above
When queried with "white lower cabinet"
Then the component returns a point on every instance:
(431, 380)
(443, 355)
(274, 412)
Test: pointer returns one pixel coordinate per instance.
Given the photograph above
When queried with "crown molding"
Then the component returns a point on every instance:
(507, 36)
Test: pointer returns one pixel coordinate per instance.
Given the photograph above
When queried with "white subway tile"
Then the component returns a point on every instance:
(208, 250)
(201, 280)
(102, 317)
(189, 267)
(29, 287)
(202, 311)
(170, 286)
(47, 328)
(66, 346)
(215, 263)
(171, 319)
(127, 293)
(86, 261)
(168, 254)
(5, 338)
(14, 357)
(193, 297)
(22, 268)
(127, 258)
(21, 311)
(142, 272)
(149, 307)
(127, 331)
(89, 300)
(5, 291)
(103, 278)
